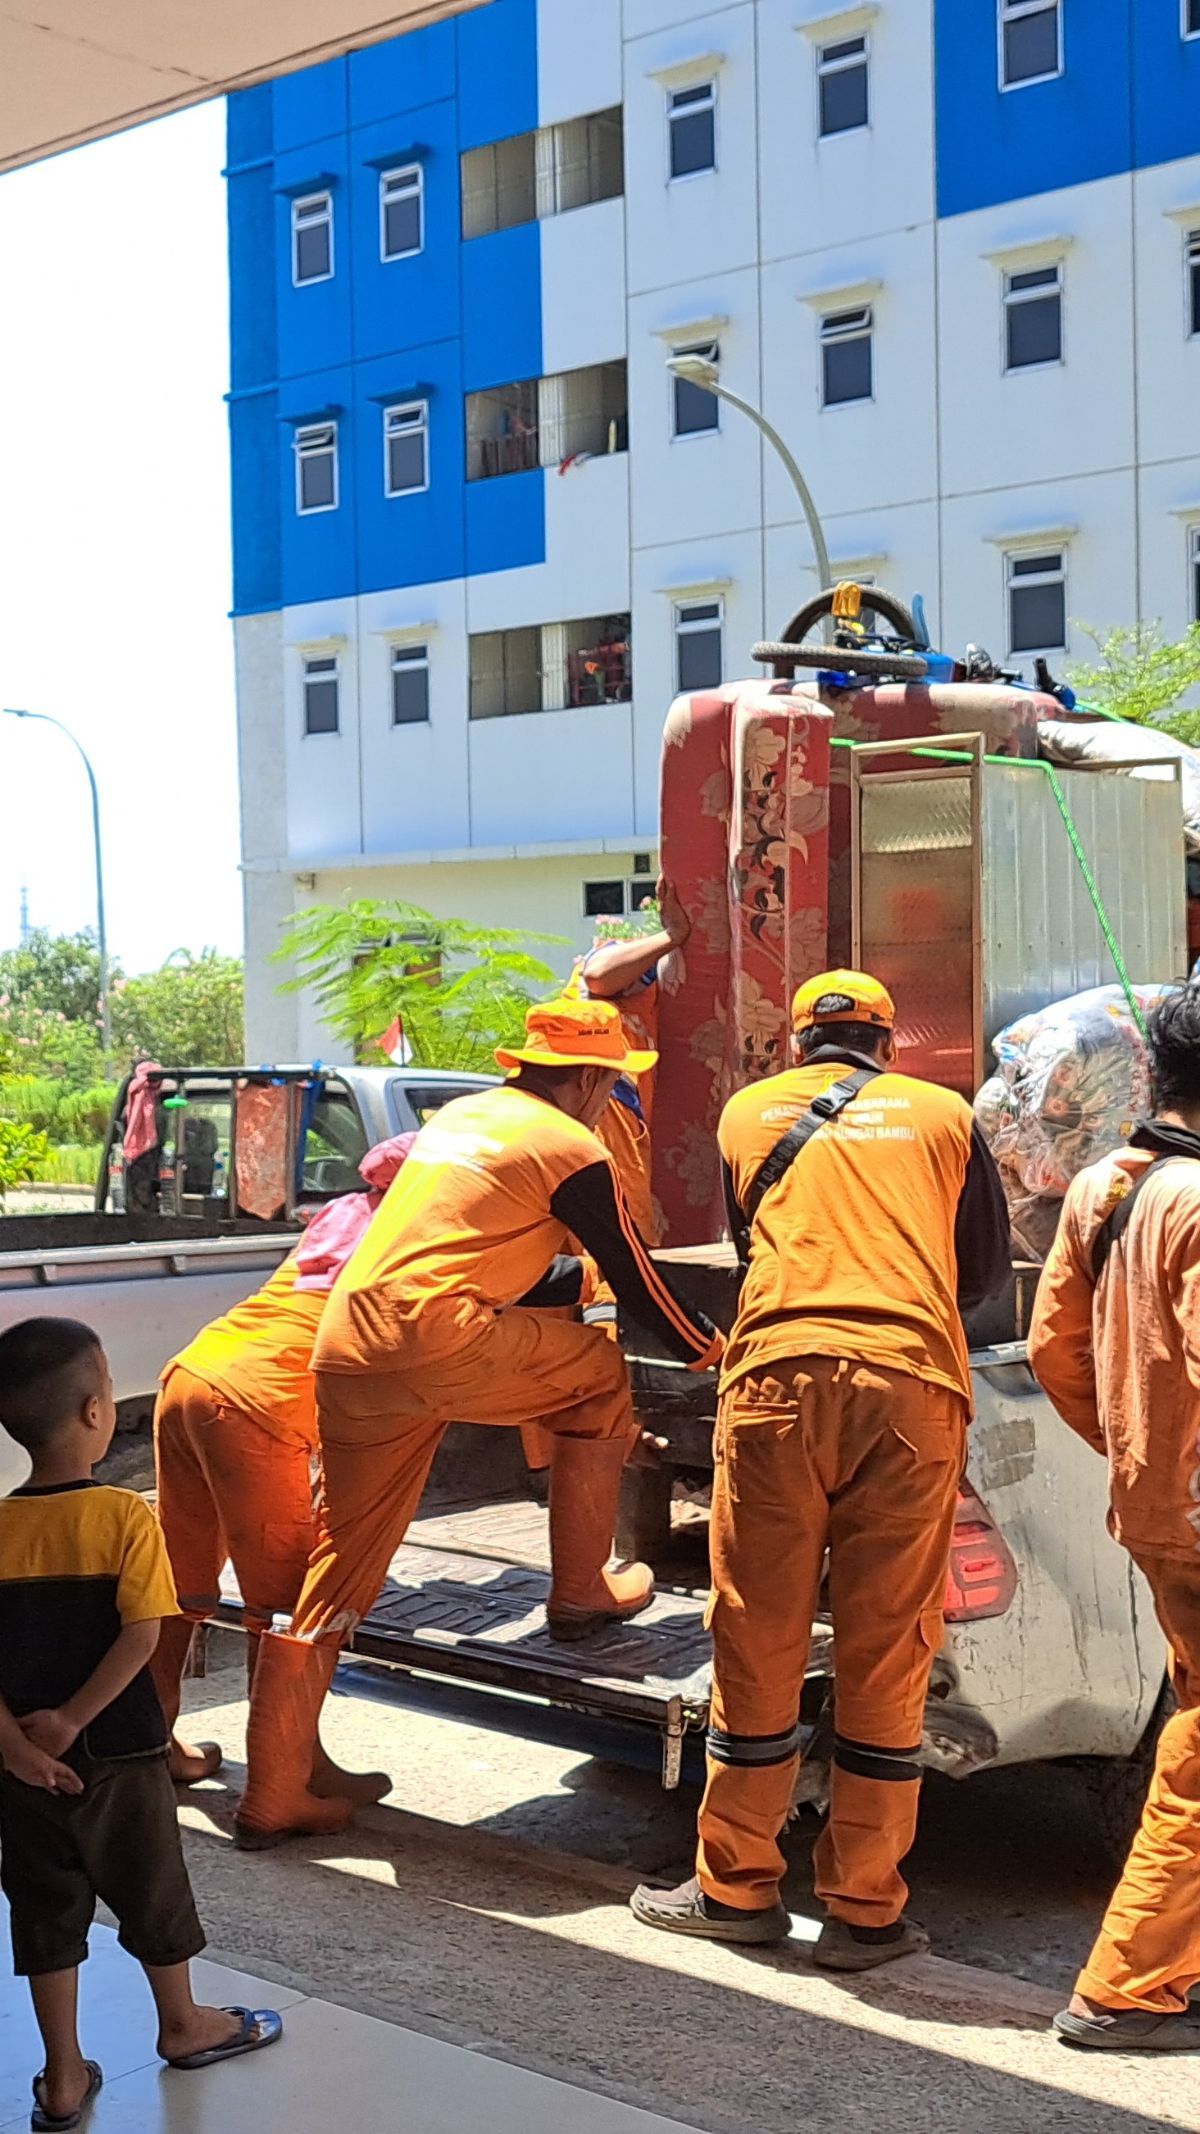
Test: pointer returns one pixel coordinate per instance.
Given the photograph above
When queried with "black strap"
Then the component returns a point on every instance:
(1116, 1222)
(828, 1106)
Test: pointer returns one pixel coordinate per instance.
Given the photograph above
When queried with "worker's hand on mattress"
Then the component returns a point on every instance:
(676, 923)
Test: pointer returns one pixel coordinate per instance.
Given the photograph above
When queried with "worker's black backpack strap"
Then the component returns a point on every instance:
(822, 1109)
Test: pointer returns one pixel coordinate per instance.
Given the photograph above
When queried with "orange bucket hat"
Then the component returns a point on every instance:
(575, 1033)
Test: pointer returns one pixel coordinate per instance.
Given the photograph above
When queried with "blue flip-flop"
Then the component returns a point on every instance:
(260, 2026)
(43, 2122)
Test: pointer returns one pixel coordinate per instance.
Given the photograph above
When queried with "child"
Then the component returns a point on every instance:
(87, 1805)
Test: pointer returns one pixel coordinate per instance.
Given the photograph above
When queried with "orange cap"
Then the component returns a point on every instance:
(843, 997)
(575, 1033)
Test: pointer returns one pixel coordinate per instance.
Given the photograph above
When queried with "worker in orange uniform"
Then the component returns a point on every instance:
(420, 1331)
(235, 1435)
(868, 1212)
(1115, 1341)
(628, 974)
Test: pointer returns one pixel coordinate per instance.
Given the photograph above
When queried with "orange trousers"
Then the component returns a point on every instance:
(1147, 1953)
(228, 1489)
(817, 1451)
(379, 1433)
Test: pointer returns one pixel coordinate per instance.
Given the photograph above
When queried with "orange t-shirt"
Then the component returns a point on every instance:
(853, 1252)
(258, 1357)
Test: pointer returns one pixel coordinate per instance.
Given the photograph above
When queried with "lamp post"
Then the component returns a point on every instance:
(10, 711)
(698, 370)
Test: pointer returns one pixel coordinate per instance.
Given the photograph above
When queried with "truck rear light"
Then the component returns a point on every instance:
(982, 1577)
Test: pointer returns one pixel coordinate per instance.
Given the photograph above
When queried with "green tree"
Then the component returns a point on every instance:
(187, 1014)
(23, 1154)
(1140, 677)
(458, 990)
(56, 973)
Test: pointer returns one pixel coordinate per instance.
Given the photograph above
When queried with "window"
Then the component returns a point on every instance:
(847, 370)
(312, 238)
(1194, 571)
(499, 185)
(1191, 18)
(698, 657)
(401, 212)
(1030, 41)
(842, 86)
(1193, 276)
(604, 900)
(1037, 602)
(560, 666)
(321, 696)
(643, 889)
(315, 447)
(405, 453)
(693, 410)
(410, 685)
(692, 130)
(581, 161)
(1033, 317)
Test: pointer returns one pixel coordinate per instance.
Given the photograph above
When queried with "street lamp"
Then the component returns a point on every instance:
(9, 711)
(699, 370)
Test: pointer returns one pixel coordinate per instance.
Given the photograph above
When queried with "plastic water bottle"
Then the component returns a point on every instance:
(218, 1178)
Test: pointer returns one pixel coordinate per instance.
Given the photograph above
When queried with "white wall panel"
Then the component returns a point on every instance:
(709, 482)
(977, 530)
(552, 776)
(579, 57)
(705, 223)
(1167, 209)
(726, 567)
(415, 788)
(324, 772)
(583, 286)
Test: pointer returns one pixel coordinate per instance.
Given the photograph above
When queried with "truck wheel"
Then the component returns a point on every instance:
(644, 1513)
(1118, 1784)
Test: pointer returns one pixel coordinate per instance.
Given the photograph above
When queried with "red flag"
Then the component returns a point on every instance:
(393, 1043)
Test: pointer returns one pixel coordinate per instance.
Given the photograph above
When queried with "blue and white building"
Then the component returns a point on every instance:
(951, 248)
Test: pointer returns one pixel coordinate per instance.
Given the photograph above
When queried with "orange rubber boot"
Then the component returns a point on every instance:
(188, 1762)
(290, 1681)
(327, 1779)
(585, 1594)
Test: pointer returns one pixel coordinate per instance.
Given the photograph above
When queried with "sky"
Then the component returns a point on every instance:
(114, 542)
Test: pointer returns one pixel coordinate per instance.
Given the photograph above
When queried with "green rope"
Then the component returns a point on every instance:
(1090, 881)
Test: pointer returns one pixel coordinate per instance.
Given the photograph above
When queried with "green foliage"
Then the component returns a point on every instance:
(72, 1164)
(188, 1014)
(43, 1042)
(1140, 678)
(63, 1114)
(458, 990)
(58, 974)
(22, 1154)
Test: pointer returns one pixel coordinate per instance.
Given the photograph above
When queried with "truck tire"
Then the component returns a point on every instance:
(874, 601)
(1118, 1784)
(881, 666)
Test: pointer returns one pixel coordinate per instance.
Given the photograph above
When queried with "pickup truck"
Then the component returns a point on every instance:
(149, 1278)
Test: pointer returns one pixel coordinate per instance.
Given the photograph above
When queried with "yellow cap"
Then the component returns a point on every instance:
(575, 1033)
(843, 997)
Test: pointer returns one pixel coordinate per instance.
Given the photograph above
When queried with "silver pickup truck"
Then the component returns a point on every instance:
(150, 1267)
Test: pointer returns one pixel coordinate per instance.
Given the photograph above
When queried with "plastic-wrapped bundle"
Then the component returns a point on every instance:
(1072, 1082)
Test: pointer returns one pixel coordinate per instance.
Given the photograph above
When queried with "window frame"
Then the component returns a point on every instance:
(411, 655)
(310, 200)
(692, 91)
(1020, 11)
(1186, 31)
(711, 351)
(391, 177)
(1030, 552)
(1191, 279)
(1010, 296)
(685, 624)
(603, 881)
(330, 666)
(827, 340)
(1193, 552)
(299, 454)
(823, 70)
(394, 408)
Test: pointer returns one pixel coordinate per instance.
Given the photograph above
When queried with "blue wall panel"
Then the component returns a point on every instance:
(502, 307)
(411, 540)
(248, 131)
(506, 522)
(318, 549)
(497, 71)
(994, 144)
(254, 352)
(1166, 86)
(254, 451)
(400, 303)
(311, 105)
(402, 74)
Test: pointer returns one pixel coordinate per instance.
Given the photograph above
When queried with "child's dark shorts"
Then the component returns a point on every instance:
(117, 1840)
